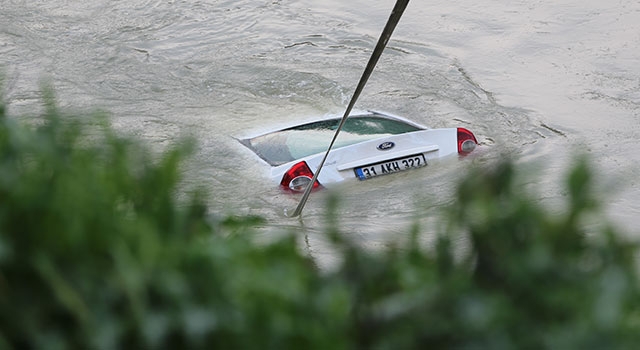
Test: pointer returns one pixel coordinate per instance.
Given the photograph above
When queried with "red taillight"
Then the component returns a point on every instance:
(466, 141)
(298, 177)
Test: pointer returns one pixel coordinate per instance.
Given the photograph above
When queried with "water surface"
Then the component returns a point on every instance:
(535, 80)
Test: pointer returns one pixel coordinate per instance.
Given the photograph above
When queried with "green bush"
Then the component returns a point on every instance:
(96, 252)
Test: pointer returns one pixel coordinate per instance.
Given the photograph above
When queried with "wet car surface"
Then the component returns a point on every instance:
(370, 144)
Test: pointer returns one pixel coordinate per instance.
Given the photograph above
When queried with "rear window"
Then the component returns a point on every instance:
(286, 145)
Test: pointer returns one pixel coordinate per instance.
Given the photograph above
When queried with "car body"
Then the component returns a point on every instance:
(370, 144)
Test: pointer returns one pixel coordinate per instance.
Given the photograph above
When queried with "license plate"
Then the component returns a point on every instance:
(391, 166)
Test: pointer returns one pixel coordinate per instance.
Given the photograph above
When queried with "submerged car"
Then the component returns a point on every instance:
(370, 144)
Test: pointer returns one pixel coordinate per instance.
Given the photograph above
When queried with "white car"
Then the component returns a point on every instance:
(370, 144)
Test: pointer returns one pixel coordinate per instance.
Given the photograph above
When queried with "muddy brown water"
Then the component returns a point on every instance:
(537, 80)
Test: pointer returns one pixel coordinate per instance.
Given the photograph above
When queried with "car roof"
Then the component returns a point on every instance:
(327, 117)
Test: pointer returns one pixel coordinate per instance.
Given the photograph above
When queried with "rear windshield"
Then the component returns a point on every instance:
(286, 145)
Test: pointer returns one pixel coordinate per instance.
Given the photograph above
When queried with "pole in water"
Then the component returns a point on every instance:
(396, 13)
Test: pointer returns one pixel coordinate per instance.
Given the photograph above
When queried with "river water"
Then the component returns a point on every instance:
(538, 81)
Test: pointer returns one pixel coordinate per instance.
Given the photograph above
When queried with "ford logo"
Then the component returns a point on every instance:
(386, 146)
